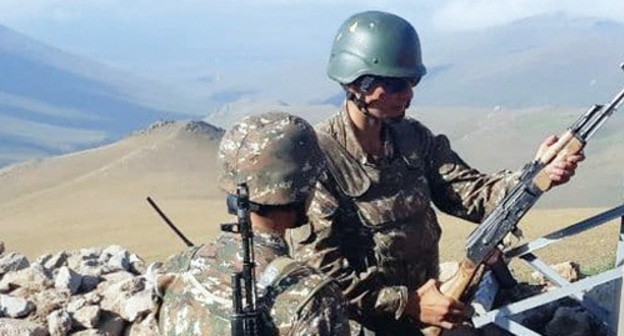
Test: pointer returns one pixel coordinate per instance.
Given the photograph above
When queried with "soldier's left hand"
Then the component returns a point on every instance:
(559, 170)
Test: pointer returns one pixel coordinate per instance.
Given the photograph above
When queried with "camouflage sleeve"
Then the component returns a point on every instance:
(460, 190)
(179, 262)
(319, 245)
(324, 315)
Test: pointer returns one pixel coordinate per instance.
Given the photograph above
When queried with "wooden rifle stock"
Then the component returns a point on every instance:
(456, 287)
(567, 145)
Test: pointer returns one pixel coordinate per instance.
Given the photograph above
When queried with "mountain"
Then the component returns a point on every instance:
(228, 114)
(52, 102)
(97, 197)
(493, 139)
(97, 194)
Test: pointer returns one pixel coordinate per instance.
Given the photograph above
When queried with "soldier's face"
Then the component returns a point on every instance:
(389, 101)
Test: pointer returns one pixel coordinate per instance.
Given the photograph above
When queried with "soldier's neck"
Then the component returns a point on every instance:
(275, 222)
(367, 130)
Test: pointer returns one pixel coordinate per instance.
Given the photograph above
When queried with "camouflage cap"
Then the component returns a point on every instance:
(275, 153)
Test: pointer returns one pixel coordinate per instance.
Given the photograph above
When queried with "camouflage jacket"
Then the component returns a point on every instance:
(197, 299)
(373, 227)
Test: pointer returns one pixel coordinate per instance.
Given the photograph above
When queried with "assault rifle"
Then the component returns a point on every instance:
(534, 181)
(244, 318)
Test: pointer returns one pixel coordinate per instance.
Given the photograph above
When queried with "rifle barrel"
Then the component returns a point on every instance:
(171, 225)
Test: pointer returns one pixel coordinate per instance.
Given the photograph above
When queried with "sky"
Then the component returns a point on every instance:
(138, 34)
(196, 43)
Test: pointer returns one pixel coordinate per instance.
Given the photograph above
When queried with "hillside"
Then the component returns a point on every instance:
(97, 197)
(495, 139)
(100, 195)
(507, 139)
(52, 102)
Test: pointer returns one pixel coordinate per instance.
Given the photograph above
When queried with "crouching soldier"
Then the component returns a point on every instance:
(277, 156)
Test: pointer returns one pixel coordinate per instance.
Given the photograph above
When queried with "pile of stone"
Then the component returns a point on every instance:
(109, 291)
(94, 291)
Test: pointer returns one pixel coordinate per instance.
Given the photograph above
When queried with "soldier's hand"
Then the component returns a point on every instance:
(428, 305)
(559, 170)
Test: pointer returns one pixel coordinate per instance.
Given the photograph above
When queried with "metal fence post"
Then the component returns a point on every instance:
(618, 309)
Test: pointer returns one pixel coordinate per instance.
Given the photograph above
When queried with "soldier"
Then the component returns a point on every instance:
(277, 155)
(372, 224)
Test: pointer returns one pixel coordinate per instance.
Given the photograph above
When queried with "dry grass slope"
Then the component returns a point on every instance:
(98, 197)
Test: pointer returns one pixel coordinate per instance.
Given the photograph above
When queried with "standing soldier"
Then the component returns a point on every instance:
(372, 223)
(277, 156)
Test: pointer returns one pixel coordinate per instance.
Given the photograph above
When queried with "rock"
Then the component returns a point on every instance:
(567, 270)
(118, 276)
(67, 280)
(137, 265)
(42, 259)
(75, 303)
(13, 262)
(15, 307)
(21, 327)
(569, 321)
(33, 278)
(112, 324)
(90, 332)
(56, 261)
(87, 316)
(59, 323)
(146, 327)
(1, 247)
(47, 302)
(605, 295)
(89, 283)
(115, 258)
(131, 299)
(100, 296)
(83, 260)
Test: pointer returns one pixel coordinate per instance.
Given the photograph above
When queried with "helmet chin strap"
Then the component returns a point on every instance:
(363, 108)
(361, 105)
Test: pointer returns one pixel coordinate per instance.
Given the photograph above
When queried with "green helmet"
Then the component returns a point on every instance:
(275, 153)
(375, 43)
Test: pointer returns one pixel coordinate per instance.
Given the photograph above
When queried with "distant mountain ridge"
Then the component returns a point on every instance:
(46, 93)
(53, 103)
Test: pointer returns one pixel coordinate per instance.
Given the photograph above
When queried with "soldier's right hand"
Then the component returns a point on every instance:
(428, 305)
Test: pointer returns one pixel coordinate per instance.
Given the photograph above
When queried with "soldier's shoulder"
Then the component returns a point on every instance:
(191, 305)
(302, 298)
(329, 126)
(305, 286)
(179, 262)
(415, 126)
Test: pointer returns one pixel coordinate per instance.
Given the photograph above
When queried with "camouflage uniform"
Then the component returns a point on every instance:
(372, 224)
(278, 157)
(198, 300)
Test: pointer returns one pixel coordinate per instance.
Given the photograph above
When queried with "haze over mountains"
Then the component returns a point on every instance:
(497, 94)
(52, 102)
